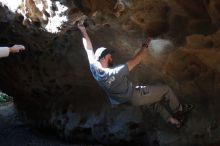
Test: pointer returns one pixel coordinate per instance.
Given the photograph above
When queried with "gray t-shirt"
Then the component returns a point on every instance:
(114, 81)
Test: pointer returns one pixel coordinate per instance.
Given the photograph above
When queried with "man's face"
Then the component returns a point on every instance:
(109, 59)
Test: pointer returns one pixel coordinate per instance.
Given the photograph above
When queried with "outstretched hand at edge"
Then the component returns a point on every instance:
(16, 48)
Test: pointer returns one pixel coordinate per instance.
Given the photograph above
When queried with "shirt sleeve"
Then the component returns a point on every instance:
(4, 51)
(93, 69)
(121, 70)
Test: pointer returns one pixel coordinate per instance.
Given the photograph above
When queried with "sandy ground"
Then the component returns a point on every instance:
(13, 132)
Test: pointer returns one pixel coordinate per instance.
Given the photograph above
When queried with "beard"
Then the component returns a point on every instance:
(110, 64)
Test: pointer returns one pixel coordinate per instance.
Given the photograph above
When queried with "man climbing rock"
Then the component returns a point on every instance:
(4, 52)
(114, 81)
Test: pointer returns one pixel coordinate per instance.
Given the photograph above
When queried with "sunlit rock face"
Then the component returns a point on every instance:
(53, 86)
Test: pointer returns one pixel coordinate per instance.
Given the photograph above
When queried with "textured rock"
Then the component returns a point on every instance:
(53, 87)
(121, 124)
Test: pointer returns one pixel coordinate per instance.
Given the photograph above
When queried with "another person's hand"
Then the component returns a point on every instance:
(146, 43)
(16, 48)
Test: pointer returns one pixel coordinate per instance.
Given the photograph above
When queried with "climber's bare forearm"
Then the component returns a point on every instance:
(86, 40)
(140, 55)
(87, 43)
(136, 59)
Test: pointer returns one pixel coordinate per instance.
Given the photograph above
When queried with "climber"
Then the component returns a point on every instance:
(4, 52)
(113, 80)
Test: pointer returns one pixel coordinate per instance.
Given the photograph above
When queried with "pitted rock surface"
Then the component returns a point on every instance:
(53, 87)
